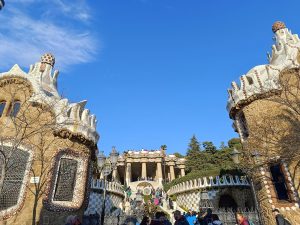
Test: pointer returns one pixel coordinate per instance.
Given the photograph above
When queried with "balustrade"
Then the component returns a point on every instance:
(206, 182)
(113, 187)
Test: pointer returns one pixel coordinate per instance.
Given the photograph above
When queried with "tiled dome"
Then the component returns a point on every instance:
(48, 58)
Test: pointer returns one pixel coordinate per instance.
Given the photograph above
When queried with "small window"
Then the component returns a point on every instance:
(279, 182)
(15, 108)
(2, 107)
(243, 125)
(250, 80)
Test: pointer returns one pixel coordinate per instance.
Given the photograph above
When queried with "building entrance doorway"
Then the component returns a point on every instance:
(227, 202)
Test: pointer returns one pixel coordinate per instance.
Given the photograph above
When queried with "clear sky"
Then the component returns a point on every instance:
(153, 71)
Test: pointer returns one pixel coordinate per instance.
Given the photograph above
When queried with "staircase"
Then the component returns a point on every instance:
(165, 208)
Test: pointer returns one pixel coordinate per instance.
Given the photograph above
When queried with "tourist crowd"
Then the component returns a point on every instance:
(192, 218)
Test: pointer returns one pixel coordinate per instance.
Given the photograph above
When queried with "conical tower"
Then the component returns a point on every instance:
(264, 108)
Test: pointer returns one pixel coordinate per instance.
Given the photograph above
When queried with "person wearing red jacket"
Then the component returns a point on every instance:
(241, 220)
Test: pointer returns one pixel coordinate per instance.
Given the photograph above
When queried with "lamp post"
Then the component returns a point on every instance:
(236, 155)
(106, 166)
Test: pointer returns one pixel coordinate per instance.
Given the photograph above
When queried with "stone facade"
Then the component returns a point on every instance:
(264, 110)
(57, 140)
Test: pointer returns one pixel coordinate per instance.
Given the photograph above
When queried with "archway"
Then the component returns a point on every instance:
(226, 201)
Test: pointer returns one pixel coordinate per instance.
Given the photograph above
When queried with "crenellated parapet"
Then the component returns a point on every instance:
(263, 80)
(209, 182)
(69, 116)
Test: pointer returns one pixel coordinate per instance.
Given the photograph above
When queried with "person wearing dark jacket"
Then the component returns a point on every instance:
(161, 217)
(216, 220)
(145, 220)
(280, 220)
(179, 219)
(205, 218)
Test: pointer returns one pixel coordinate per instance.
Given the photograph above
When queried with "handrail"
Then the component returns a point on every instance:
(208, 182)
(113, 187)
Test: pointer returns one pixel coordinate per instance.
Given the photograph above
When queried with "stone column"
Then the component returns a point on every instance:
(172, 172)
(182, 172)
(144, 170)
(115, 174)
(128, 173)
(159, 172)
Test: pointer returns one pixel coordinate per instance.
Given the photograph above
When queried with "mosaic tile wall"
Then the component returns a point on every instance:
(96, 201)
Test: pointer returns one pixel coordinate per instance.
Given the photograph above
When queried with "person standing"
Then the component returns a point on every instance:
(205, 218)
(241, 219)
(69, 220)
(76, 220)
(191, 217)
(179, 219)
(145, 220)
(280, 220)
(216, 220)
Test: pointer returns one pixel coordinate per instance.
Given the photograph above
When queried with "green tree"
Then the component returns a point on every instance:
(235, 143)
(194, 147)
(209, 147)
(193, 155)
(163, 147)
(222, 146)
(178, 155)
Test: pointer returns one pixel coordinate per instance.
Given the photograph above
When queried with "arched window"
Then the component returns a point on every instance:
(2, 107)
(16, 105)
(279, 182)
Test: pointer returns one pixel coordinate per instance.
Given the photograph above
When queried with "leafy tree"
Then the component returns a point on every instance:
(222, 146)
(178, 155)
(211, 159)
(194, 147)
(209, 147)
(193, 155)
(235, 143)
(163, 147)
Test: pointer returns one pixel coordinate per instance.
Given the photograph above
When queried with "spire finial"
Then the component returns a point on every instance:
(48, 58)
(278, 25)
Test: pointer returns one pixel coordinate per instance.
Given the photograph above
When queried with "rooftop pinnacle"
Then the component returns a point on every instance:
(48, 58)
(278, 25)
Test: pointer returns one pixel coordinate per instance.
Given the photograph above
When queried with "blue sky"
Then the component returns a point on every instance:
(153, 71)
